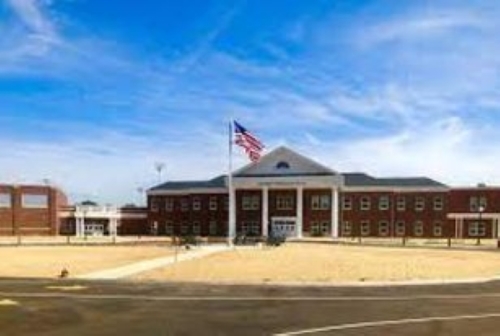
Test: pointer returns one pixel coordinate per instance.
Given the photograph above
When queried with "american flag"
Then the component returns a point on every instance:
(252, 146)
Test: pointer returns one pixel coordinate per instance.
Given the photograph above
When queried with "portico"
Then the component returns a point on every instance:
(284, 180)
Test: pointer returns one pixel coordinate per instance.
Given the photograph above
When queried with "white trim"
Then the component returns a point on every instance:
(188, 191)
(397, 189)
(473, 215)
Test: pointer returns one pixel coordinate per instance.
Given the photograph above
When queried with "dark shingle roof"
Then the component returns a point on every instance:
(364, 180)
(217, 182)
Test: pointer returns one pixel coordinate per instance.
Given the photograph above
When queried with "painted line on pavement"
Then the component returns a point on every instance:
(375, 324)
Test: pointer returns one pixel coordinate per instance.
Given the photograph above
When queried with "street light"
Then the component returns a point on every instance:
(480, 211)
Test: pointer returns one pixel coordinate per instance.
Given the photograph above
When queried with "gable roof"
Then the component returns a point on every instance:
(364, 180)
(284, 162)
(215, 183)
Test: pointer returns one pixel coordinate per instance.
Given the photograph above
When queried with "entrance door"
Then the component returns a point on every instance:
(283, 227)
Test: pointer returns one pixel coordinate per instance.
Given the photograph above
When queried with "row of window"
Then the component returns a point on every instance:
(384, 203)
(196, 204)
(27, 201)
(475, 229)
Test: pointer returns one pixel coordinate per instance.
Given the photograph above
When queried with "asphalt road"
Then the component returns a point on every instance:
(126, 308)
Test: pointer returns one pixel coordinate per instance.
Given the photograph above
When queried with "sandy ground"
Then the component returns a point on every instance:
(47, 261)
(330, 263)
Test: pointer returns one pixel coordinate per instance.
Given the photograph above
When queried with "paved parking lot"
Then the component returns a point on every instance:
(126, 308)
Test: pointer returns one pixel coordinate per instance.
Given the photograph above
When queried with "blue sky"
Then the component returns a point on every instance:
(93, 93)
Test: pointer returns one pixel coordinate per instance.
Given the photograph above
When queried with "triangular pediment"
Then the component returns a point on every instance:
(284, 162)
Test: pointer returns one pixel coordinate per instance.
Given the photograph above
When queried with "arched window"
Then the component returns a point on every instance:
(282, 165)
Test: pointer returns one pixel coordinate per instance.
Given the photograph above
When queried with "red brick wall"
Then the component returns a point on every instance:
(30, 221)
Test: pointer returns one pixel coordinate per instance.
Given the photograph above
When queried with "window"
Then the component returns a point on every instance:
(212, 228)
(437, 229)
(250, 228)
(325, 228)
(320, 202)
(400, 228)
(250, 202)
(35, 201)
(383, 203)
(401, 203)
(5, 200)
(365, 203)
(154, 205)
(284, 202)
(196, 228)
(169, 228)
(226, 203)
(196, 204)
(418, 229)
(346, 203)
(383, 228)
(346, 228)
(184, 205)
(282, 165)
(153, 228)
(438, 203)
(477, 201)
(184, 228)
(315, 229)
(477, 229)
(212, 203)
(419, 203)
(169, 204)
(365, 228)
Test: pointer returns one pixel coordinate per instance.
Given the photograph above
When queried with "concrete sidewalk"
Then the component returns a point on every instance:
(143, 266)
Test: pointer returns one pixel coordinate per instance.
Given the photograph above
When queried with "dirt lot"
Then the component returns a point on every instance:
(47, 261)
(330, 263)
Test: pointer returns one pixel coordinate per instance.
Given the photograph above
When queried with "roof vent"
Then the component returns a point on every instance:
(282, 165)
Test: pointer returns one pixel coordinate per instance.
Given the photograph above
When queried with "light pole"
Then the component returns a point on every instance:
(159, 166)
(480, 211)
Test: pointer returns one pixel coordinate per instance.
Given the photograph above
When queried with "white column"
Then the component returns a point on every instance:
(265, 211)
(112, 227)
(77, 226)
(232, 214)
(300, 211)
(335, 213)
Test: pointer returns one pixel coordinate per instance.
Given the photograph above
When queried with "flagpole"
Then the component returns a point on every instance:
(231, 208)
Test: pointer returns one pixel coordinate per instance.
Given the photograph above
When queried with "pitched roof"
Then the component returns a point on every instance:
(284, 162)
(364, 180)
(215, 183)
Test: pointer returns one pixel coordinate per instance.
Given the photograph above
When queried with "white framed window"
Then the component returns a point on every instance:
(184, 228)
(346, 203)
(400, 228)
(184, 204)
(153, 228)
(250, 202)
(477, 201)
(437, 229)
(438, 203)
(383, 203)
(419, 203)
(315, 229)
(325, 228)
(169, 228)
(169, 204)
(196, 203)
(418, 228)
(35, 201)
(401, 203)
(5, 200)
(365, 203)
(285, 202)
(212, 203)
(320, 202)
(346, 228)
(196, 228)
(250, 228)
(365, 228)
(212, 228)
(383, 228)
(477, 229)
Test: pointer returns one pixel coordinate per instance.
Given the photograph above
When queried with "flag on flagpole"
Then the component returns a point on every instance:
(253, 147)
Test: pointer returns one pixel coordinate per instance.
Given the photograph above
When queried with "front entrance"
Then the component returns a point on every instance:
(284, 227)
(94, 229)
